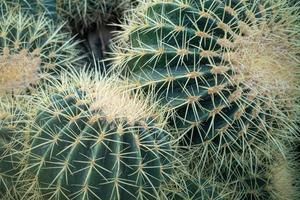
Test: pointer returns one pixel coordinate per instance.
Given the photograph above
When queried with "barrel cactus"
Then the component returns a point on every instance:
(93, 140)
(30, 49)
(221, 66)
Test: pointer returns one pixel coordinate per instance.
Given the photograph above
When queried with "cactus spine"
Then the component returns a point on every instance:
(93, 140)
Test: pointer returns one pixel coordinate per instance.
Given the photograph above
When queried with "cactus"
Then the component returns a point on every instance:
(31, 49)
(93, 140)
(222, 67)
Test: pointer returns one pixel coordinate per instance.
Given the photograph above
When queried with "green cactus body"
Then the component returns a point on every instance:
(84, 146)
(31, 49)
(196, 57)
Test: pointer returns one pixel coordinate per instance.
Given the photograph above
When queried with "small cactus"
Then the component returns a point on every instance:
(93, 140)
(30, 49)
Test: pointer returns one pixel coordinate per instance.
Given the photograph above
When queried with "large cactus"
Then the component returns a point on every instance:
(31, 48)
(220, 65)
(93, 140)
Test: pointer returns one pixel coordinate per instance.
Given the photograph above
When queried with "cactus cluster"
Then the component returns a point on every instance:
(200, 102)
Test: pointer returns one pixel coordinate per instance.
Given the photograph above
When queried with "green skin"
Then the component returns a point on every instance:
(195, 119)
(124, 167)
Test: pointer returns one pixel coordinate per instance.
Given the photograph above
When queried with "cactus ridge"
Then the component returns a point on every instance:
(197, 56)
(86, 146)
